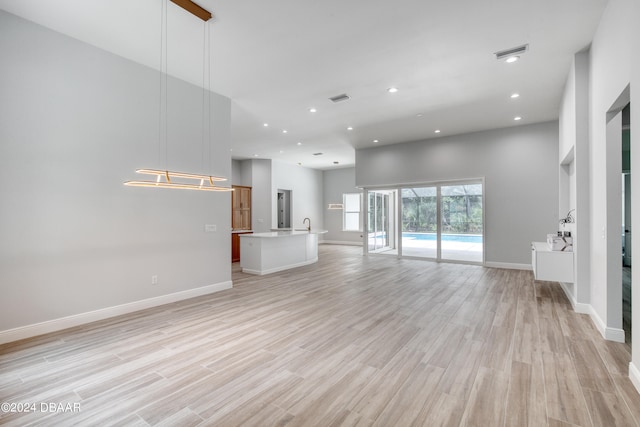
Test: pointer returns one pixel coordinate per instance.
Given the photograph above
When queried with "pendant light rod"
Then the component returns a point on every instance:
(164, 177)
(186, 175)
(194, 9)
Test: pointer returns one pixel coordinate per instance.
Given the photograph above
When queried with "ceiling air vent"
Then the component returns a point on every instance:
(340, 98)
(514, 51)
(317, 154)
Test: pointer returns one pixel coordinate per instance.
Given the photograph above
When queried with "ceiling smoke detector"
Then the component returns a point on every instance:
(514, 52)
(340, 98)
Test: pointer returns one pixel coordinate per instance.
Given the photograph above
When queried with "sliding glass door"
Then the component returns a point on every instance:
(381, 224)
(443, 221)
(461, 222)
(420, 222)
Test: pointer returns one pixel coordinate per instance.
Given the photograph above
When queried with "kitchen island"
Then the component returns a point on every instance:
(264, 253)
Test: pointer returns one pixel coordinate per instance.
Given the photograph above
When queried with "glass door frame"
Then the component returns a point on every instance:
(392, 241)
(397, 225)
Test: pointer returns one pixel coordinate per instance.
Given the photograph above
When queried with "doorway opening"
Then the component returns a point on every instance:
(283, 203)
(614, 222)
(626, 223)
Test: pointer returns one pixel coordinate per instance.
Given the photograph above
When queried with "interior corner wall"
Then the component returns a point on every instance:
(75, 123)
(336, 183)
(260, 194)
(519, 165)
(236, 172)
(612, 53)
(306, 193)
(574, 175)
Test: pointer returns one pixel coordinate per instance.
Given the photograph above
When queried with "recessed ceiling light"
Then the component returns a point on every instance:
(437, 131)
(512, 59)
(284, 131)
(299, 143)
(517, 118)
(392, 90)
(350, 128)
(312, 110)
(255, 155)
(265, 125)
(375, 141)
(419, 115)
(281, 151)
(515, 95)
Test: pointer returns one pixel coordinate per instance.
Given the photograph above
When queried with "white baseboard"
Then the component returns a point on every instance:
(508, 265)
(281, 268)
(634, 375)
(54, 325)
(339, 242)
(578, 307)
(611, 334)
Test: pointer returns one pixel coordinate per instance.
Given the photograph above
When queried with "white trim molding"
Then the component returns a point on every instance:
(611, 334)
(508, 265)
(339, 242)
(634, 375)
(578, 307)
(280, 268)
(55, 325)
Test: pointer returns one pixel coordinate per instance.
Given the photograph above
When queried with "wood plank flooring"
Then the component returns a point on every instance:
(349, 341)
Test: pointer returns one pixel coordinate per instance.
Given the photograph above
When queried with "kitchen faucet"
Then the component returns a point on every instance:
(308, 226)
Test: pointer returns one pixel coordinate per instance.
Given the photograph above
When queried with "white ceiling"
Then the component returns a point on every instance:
(276, 59)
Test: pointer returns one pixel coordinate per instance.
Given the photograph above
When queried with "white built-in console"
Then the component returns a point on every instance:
(555, 266)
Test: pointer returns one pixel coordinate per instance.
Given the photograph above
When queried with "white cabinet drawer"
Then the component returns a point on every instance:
(555, 266)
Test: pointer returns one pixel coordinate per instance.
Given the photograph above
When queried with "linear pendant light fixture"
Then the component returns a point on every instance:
(185, 181)
(202, 182)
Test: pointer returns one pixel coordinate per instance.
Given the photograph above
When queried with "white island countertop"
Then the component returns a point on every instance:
(286, 232)
(264, 253)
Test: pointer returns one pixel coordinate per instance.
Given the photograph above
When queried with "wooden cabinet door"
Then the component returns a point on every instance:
(241, 208)
(245, 198)
(235, 247)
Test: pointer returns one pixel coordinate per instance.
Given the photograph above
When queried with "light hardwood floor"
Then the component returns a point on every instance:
(348, 341)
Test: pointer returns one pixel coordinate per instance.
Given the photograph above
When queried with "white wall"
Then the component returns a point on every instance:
(260, 194)
(75, 122)
(236, 172)
(574, 175)
(306, 193)
(521, 185)
(613, 66)
(336, 183)
(610, 73)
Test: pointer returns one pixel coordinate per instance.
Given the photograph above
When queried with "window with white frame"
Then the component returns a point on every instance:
(351, 215)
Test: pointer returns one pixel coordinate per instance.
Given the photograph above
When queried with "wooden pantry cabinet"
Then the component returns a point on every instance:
(240, 217)
(241, 208)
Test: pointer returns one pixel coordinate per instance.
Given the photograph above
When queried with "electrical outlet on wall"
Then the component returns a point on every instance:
(154, 280)
(210, 228)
